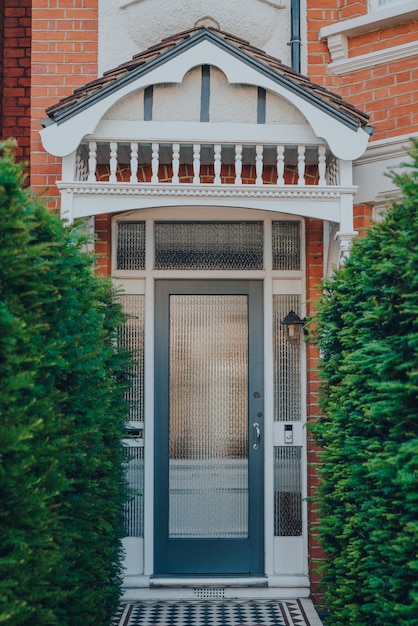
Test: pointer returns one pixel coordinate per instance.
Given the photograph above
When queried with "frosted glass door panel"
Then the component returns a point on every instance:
(208, 421)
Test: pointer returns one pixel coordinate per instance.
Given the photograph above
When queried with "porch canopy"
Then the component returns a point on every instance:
(206, 119)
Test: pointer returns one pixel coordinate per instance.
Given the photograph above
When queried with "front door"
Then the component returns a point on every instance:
(209, 428)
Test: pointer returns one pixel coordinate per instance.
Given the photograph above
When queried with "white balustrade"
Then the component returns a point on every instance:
(113, 161)
(259, 164)
(196, 164)
(155, 162)
(92, 161)
(134, 162)
(272, 160)
(238, 164)
(301, 165)
(217, 164)
(322, 164)
(176, 163)
(280, 165)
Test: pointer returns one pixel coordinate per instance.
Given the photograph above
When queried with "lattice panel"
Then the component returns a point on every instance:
(209, 245)
(134, 509)
(132, 338)
(287, 491)
(130, 246)
(286, 244)
(287, 366)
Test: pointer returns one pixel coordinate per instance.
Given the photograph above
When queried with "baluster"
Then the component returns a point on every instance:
(92, 161)
(196, 164)
(134, 163)
(176, 163)
(84, 172)
(80, 168)
(321, 166)
(113, 161)
(238, 164)
(301, 165)
(259, 165)
(217, 164)
(155, 162)
(280, 165)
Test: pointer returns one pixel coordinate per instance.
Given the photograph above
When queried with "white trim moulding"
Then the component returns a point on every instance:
(343, 65)
(388, 148)
(372, 21)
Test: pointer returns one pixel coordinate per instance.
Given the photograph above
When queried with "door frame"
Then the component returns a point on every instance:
(278, 550)
(248, 553)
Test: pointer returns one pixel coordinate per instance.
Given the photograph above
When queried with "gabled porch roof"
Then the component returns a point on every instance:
(342, 126)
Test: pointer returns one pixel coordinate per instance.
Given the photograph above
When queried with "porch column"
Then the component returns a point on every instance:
(346, 232)
(67, 199)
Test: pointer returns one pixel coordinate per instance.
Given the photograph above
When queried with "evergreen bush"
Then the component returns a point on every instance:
(367, 330)
(62, 386)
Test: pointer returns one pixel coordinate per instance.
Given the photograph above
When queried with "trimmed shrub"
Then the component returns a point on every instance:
(62, 387)
(367, 330)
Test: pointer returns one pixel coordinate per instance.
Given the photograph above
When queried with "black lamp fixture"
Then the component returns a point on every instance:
(293, 325)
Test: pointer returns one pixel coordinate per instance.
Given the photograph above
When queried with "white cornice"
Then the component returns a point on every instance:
(343, 65)
(372, 21)
(206, 191)
(388, 148)
(370, 171)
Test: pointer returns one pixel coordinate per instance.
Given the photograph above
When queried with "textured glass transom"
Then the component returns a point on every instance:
(209, 245)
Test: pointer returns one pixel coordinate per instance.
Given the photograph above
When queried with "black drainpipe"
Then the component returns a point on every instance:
(295, 41)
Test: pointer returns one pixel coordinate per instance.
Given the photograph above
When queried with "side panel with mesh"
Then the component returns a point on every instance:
(132, 338)
(287, 491)
(287, 368)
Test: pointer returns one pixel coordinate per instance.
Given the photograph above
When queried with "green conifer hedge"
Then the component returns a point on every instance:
(368, 335)
(62, 410)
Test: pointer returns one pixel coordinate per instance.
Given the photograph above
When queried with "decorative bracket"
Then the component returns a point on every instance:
(345, 241)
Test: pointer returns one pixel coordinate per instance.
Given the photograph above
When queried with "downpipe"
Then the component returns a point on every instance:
(295, 40)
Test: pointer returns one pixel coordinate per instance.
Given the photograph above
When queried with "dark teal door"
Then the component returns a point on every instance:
(209, 428)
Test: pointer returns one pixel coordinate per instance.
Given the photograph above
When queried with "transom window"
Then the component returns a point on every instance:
(204, 245)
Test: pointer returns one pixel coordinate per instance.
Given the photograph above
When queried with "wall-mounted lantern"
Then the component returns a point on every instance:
(293, 325)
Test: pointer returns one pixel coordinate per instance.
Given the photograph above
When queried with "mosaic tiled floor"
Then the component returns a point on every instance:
(218, 613)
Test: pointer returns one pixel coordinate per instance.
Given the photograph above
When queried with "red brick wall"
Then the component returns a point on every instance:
(15, 73)
(386, 91)
(103, 247)
(314, 273)
(64, 57)
(362, 218)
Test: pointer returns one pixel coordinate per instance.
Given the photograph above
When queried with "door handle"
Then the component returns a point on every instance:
(256, 444)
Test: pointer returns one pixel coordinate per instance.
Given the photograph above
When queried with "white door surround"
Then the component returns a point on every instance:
(285, 558)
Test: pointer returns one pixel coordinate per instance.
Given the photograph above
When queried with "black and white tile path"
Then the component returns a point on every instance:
(218, 613)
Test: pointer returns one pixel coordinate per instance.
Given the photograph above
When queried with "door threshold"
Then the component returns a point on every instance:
(208, 581)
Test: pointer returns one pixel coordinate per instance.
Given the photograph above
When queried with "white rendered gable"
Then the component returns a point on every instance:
(180, 102)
